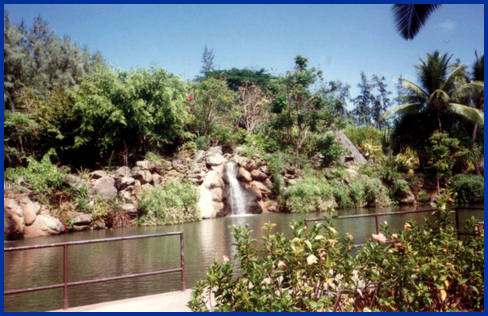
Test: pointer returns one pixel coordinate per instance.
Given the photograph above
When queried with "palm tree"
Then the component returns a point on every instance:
(440, 89)
(410, 18)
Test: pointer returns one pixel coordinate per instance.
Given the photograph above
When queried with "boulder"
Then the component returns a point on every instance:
(44, 225)
(257, 175)
(144, 176)
(214, 159)
(98, 174)
(30, 209)
(217, 194)
(205, 203)
(273, 207)
(244, 175)
(13, 217)
(157, 179)
(129, 208)
(125, 182)
(213, 180)
(123, 171)
(78, 218)
(145, 164)
(215, 149)
(261, 187)
(100, 224)
(200, 156)
(105, 186)
(409, 199)
(74, 182)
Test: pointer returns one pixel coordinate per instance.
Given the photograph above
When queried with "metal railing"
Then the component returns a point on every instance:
(378, 215)
(67, 284)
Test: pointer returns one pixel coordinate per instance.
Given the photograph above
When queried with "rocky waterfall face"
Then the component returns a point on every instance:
(237, 199)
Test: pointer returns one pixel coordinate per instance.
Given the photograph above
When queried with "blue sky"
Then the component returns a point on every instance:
(342, 40)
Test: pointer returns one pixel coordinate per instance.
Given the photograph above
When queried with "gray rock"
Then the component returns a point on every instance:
(265, 191)
(145, 164)
(213, 180)
(44, 225)
(144, 176)
(123, 171)
(214, 159)
(30, 209)
(217, 195)
(258, 175)
(130, 209)
(13, 217)
(200, 156)
(156, 178)
(78, 218)
(125, 182)
(106, 188)
(244, 175)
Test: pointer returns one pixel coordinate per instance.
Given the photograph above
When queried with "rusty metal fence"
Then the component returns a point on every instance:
(378, 215)
(67, 284)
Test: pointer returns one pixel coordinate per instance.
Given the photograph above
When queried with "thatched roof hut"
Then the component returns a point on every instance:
(354, 156)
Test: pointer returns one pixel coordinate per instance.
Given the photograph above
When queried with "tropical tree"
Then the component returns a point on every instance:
(410, 18)
(440, 90)
(211, 99)
(298, 110)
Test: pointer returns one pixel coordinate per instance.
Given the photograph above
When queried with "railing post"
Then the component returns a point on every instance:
(65, 276)
(377, 224)
(182, 253)
(457, 221)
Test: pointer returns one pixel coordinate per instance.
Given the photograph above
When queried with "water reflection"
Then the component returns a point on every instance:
(204, 241)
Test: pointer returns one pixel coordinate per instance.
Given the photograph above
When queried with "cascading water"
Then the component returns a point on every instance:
(237, 200)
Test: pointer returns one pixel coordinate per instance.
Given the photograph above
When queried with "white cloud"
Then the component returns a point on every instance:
(448, 25)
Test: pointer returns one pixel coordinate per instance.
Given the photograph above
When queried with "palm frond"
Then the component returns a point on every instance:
(439, 98)
(470, 90)
(415, 89)
(456, 74)
(470, 113)
(410, 18)
(408, 108)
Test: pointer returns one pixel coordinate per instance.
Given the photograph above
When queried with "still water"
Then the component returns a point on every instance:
(204, 241)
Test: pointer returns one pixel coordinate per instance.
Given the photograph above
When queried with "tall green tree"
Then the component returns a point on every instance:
(441, 85)
(363, 102)
(298, 110)
(36, 61)
(236, 78)
(211, 100)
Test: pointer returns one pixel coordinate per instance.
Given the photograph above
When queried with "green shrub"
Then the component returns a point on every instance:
(400, 189)
(202, 143)
(331, 150)
(369, 192)
(42, 177)
(171, 203)
(309, 195)
(468, 188)
(342, 195)
(359, 135)
(423, 197)
(421, 268)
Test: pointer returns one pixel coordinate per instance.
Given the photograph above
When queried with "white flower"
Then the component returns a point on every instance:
(332, 229)
(226, 258)
(308, 244)
(281, 264)
(350, 236)
(319, 237)
(379, 238)
(407, 226)
(394, 236)
(311, 260)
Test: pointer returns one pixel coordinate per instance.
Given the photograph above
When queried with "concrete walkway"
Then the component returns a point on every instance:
(165, 302)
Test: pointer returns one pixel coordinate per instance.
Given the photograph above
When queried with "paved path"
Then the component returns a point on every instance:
(165, 302)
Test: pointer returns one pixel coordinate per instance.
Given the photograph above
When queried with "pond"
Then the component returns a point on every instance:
(204, 241)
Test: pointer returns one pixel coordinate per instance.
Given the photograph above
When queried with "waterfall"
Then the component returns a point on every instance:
(237, 200)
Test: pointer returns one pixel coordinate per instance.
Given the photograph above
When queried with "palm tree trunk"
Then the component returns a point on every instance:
(475, 130)
(439, 121)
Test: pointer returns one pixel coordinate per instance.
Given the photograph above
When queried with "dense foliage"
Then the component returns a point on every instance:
(421, 268)
(468, 188)
(170, 203)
